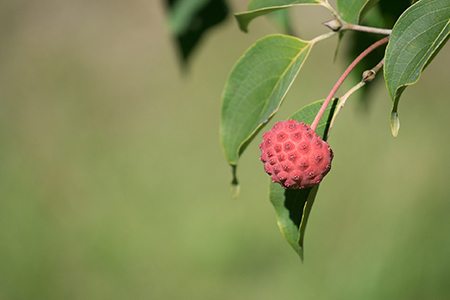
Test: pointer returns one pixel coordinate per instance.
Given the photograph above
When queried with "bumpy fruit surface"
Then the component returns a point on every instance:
(294, 155)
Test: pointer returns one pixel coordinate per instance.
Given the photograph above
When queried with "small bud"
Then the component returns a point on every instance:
(334, 24)
(368, 75)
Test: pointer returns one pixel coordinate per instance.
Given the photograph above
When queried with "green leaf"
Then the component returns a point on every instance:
(258, 8)
(256, 87)
(420, 32)
(350, 10)
(190, 20)
(292, 207)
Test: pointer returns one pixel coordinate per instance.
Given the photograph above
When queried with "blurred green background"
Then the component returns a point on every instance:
(113, 184)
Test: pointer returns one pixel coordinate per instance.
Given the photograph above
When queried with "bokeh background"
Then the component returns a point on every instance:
(113, 184)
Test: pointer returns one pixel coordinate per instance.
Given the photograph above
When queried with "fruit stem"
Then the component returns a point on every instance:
(343, 77)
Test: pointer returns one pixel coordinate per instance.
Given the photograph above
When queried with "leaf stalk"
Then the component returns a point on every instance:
(322, 37)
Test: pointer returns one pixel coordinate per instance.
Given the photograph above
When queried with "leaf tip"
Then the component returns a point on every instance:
(235, 187)
(242, 22)
(300, 254)
(395, 123)
(235, 191)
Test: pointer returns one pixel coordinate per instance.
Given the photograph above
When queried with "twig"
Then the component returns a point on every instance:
(348, 26)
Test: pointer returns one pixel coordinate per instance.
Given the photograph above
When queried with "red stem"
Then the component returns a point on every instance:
(343, 77)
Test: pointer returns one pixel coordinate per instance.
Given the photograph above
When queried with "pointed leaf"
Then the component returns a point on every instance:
(258, 8)
(350, 10)
(256, 87)
(292, 207)
(420, 32)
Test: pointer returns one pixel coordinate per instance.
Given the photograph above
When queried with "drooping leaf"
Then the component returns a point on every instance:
(420, 32)
(258, 8)
(189, 21)
(256, 87)
(292, 207)
(350, 10)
